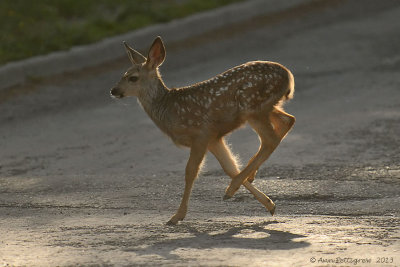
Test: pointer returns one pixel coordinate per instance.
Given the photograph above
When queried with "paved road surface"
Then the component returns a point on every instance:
(88, 180)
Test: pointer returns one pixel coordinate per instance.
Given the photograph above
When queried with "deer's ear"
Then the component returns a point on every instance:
(156, 53)
(134, 56)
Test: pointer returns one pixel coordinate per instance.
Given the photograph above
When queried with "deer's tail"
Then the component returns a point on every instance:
(290, 90)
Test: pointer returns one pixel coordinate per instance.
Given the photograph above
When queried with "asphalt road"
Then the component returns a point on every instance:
(88, 180)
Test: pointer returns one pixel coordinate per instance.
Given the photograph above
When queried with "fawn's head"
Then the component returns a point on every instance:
(143, 73)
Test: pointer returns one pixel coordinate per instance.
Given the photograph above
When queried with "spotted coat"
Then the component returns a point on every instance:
(221, 102)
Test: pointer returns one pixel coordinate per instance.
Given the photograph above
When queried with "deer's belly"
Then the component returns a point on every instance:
(185, 135)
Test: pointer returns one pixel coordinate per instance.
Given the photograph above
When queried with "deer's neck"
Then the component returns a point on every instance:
(152, 99)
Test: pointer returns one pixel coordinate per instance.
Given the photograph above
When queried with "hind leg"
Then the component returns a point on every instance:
(228, 163)
(282, 122)
(271, 131)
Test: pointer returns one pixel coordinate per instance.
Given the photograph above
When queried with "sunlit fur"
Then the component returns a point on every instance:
(200, 115)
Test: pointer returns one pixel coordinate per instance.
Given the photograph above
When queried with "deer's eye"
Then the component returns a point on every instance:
(133, 79)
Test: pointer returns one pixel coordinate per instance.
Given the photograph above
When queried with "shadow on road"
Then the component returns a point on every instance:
(254, 236)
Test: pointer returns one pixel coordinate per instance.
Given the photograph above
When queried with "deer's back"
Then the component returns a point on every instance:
(224, 102)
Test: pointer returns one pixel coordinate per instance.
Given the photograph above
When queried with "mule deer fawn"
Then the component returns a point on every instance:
(200, 115)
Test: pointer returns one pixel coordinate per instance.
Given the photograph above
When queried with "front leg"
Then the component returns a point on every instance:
(197, 152)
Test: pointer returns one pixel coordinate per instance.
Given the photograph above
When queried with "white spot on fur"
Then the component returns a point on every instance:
(248, 85)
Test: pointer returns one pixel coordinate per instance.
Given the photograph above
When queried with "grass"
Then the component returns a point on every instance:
(30, 28)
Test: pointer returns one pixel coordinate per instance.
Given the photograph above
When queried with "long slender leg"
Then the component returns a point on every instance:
(252, 175)
(282, 123)
(271, 131)
(228, 163)
(196, 157)
(224, 156)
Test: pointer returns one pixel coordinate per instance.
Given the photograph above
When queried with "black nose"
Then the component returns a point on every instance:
(116, 92)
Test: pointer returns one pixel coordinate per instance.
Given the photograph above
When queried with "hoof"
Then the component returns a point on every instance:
(175, 219)
(171, 223)
(230, 191)
(226, 197)
(272, 211)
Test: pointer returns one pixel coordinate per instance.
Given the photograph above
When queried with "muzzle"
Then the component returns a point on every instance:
(116, 92)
